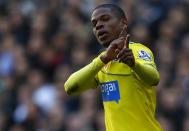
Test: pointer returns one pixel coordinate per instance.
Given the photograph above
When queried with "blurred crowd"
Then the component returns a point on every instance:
(43, 41)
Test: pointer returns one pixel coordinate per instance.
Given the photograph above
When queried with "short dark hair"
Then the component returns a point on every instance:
(114, 8)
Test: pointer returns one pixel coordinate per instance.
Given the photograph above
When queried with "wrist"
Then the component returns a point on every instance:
(104, 59)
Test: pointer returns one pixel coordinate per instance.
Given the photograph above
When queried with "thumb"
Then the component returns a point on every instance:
(126, 42)
(123, 32)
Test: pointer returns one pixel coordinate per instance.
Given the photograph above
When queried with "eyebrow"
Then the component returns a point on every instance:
(100, 17)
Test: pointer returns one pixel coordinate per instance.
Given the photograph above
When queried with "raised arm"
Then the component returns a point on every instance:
(145, 67)
(84, 78)
(141, 60)
(147, 73)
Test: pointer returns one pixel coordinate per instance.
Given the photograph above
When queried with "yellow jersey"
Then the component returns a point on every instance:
(129, 103)
(128, 94)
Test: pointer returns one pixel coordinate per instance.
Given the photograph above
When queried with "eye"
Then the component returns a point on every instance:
(94, 22)
(105, 17)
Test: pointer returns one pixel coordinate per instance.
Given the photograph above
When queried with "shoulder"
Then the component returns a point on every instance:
(141, 51)
(135, 45)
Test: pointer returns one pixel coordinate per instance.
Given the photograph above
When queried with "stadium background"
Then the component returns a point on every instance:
(43, 41)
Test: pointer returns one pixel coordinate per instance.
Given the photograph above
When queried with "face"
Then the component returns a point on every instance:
(106, 26)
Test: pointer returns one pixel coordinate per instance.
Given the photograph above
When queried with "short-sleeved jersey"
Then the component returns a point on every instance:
(129, 103)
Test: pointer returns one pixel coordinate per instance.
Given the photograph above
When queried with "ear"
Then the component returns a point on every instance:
(124, 21)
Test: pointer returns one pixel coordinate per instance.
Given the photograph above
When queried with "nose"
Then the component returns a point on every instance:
(99, 25)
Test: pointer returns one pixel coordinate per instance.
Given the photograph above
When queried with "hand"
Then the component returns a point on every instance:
(115, 47)
(126, 55)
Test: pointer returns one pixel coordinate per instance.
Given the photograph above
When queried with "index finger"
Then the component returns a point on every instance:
(126, 43)
(123, 32)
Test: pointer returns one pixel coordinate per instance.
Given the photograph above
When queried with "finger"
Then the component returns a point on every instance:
(127, 57)
(117, 51)
(124, 52)
(129, 61)
(113, 46)
(117, 42)
(121, 43)
(126, 43)
(123, 32)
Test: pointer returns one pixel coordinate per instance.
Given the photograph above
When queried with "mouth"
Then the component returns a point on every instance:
(102, 35)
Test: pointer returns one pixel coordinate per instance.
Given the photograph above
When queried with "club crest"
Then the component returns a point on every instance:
(144, 55)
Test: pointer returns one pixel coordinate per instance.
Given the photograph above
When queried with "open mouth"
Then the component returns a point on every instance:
(102, 35)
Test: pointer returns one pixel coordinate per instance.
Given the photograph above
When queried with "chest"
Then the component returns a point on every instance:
(117, 81)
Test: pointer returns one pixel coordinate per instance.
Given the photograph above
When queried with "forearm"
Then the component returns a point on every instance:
(84, 78)
(147, 73)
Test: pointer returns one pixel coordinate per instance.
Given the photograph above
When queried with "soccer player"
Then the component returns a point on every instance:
(125, 72)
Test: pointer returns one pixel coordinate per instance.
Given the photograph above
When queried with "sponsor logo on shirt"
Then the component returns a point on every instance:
(110, 91)
(144, 55)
